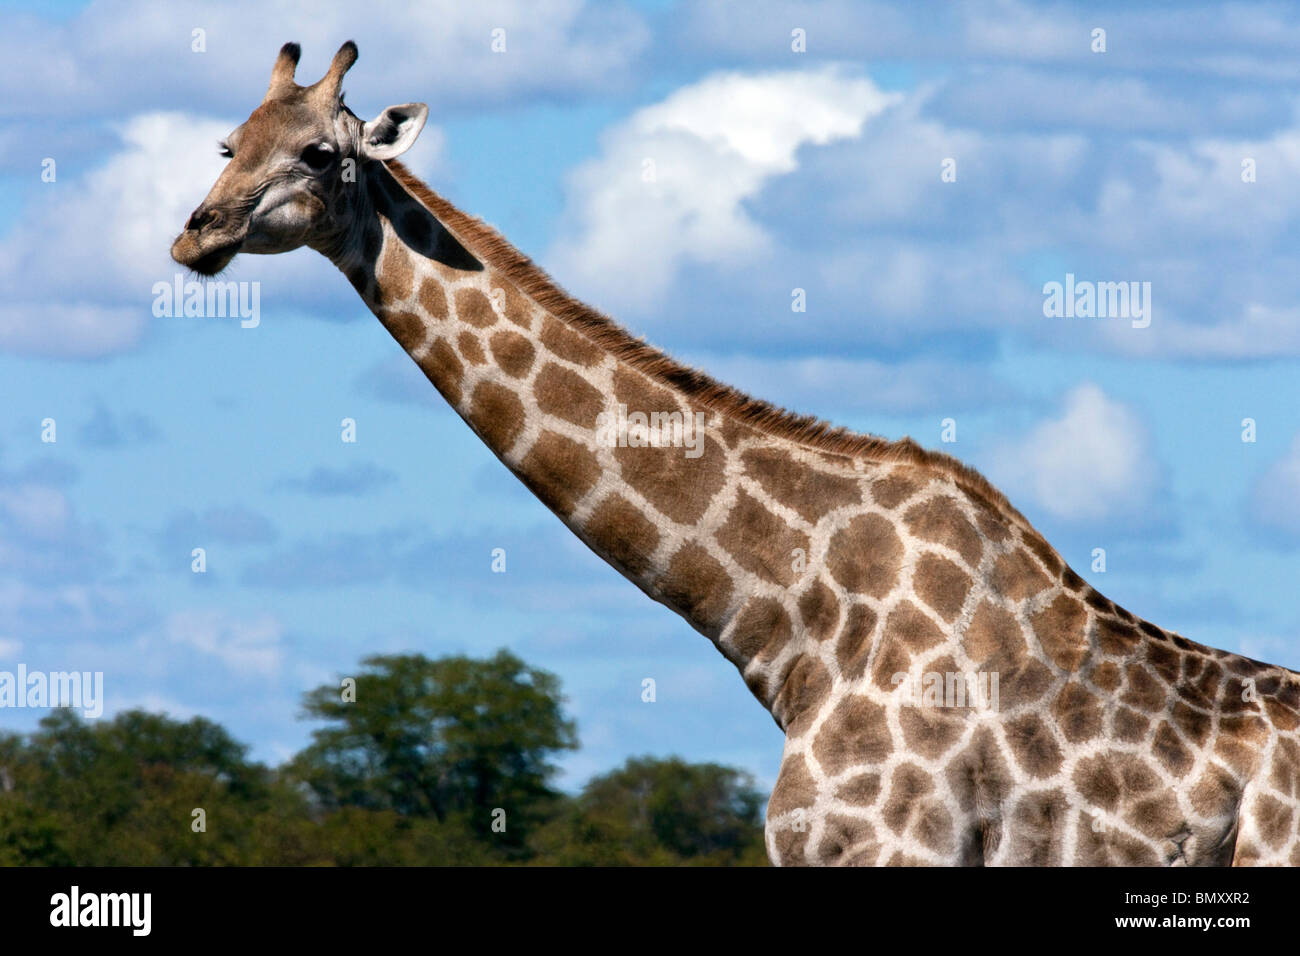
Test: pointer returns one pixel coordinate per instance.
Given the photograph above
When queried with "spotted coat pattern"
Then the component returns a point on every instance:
(823, 577)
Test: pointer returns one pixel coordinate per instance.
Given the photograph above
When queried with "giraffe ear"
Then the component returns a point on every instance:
(392, 132)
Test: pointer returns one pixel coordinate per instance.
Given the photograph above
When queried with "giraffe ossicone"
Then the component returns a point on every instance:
(950, 690)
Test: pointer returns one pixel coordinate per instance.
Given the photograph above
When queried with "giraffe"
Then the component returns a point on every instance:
(859, 585)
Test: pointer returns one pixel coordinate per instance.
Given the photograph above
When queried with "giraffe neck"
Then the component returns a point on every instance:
(641, 471)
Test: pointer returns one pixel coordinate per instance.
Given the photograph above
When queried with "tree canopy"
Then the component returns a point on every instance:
(416, 761)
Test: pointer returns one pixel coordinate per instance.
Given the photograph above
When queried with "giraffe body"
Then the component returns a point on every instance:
(951, 692)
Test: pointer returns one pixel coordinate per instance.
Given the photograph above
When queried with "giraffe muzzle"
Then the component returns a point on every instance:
(206, 245)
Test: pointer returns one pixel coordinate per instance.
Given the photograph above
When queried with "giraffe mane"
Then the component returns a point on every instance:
(808, 430)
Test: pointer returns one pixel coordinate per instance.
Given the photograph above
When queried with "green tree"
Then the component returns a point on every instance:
(123, 791)
(453, 739)
(653, 812)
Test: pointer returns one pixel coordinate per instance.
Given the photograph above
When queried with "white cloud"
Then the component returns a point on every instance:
(38, 511)
(671, 181)
(77, 279)
(1092, 463)
(140, 51)
(825, 385)
(77, 272)
(251, 646)
(1275, 498)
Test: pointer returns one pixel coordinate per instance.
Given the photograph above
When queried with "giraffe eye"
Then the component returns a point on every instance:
(224, 150)
(318, 156)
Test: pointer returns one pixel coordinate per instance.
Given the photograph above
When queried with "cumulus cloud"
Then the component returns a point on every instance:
(672, 180)
(1274, 503)
(78, 279)
(1093, 463)
(246, 645)
(438, 50)
(828, 385)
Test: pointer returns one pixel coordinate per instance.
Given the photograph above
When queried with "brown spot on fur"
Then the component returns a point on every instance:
(864, 556)
(1216, 794)
(1044, 552)
(933, 827)
(801, 694)
(894, 488)
(1165, 661)
(433, 298)
(1059, 628)
(1078, 713)
(928, 732)
(1129, 726)
(978, 775)
(513, 353)
(470, 349)
(908, 785)
(559, 471)
(795, 788)
(1033, 746)
(1169, 750)
(564, 343)
(760, 541)
(1115, 639)
(1193, 723)
(474, 308)
(1098, 782)
(1037, 827)
(1110, 846)
(806, 490)
(819, 610)
(1106, 676)
(993, 631)
(762, 631)
(855, 733)
(443, 367)
(678, 486)
(1285, 777)
(497, 414)
(892, 659)
(941, 584)
(396, 275)
(909, 624)
(697, 585)
(861, 790)
(405, 327)
(619, 530)
(1021, 683)
(566, 394)
(1155, 816)
(993, 526)
(1144, 691)
(516, 307)
(940, 519)
(854, 644)
(1017, 577)
(847, 841)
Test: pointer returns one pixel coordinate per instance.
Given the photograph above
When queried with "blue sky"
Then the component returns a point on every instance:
(777, 170)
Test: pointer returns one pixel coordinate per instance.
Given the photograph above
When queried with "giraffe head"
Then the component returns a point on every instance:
(295, 164)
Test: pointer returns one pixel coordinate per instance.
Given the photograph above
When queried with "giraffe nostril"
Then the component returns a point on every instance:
(202, 218)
